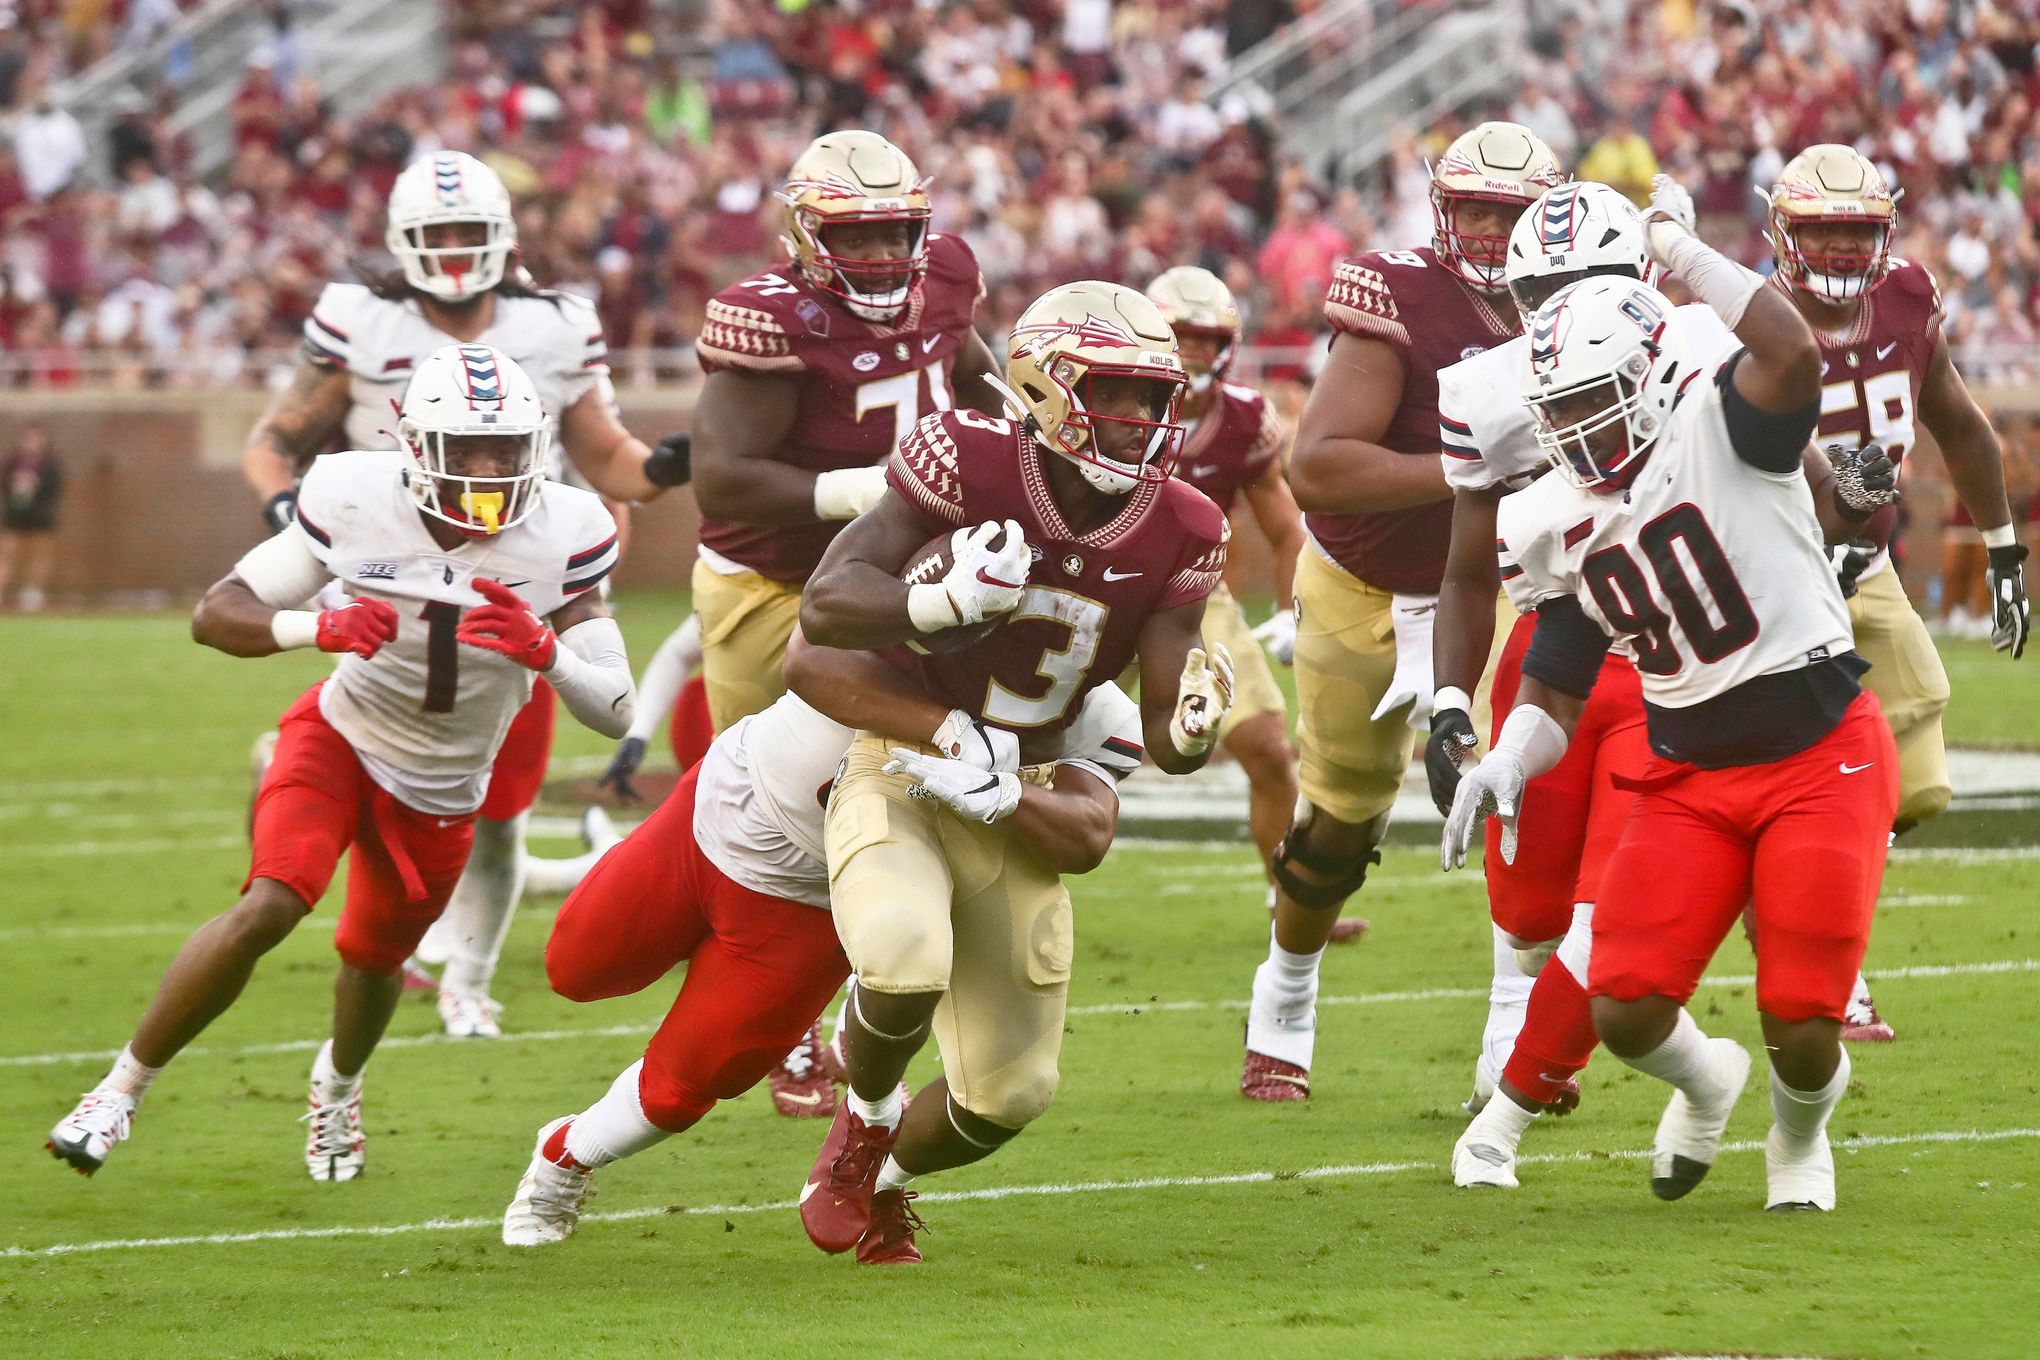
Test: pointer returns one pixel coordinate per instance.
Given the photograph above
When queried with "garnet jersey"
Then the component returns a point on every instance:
(863, 385)
(1088, 595)
(554, 337)
(1486, 434)
(1872, 370)
(1713, 569)
(765, 784)
(1234, 442)
(1410, 300)
(425, 714)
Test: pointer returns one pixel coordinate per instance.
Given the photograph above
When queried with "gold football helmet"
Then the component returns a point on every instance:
(1489, 163)
(1831, 184)
(1196, 302)
(852, 178)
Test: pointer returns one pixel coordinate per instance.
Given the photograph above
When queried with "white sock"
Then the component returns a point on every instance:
(483, 902)
(1508, 1003)
(884, 1113)
(615, 1126)
(893, 1176)
(334, 1086)
(1501, 1122)
(1859, 995)
(1282, 1021)
(130, 1076)
(1683, 1060)
(1802, 1116)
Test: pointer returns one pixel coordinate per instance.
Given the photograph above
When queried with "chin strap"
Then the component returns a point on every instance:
(1016, 409)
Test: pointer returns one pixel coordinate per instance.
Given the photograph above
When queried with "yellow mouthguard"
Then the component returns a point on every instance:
(486, 506)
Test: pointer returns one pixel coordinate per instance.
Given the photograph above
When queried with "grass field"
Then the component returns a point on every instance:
(1152, 1210)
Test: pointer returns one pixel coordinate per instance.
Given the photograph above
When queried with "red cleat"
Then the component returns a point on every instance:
(835, 1204)
(1865, 1026)
(1271, 1079)
(803, 1087)
(1348, 928)
(889, 1241)
(417, 978)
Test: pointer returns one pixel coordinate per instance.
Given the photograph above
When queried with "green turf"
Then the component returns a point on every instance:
(122, 751)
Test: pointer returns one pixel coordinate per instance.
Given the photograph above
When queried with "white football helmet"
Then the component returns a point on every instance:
(1604, 352)
(469, 392)
(450, 186)
(1574, 231)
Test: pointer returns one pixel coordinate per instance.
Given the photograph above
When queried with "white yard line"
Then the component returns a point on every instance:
(1140, 1185)
(160, 845)
(1109, 1008)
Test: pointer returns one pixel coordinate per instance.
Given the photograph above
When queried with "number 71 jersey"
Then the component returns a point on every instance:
(1712, 569)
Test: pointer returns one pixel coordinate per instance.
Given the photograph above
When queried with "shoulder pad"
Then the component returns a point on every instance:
(1361, 299)
(926, 468)
(753, 324)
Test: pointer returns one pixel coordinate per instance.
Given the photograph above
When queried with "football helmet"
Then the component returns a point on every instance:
(1491, 163)
(450, 186)
(1832, 183)
(1196, 302)
(1575, 231)
(854, 177)
(471, 391)
(1614, 338)
(1087, 330)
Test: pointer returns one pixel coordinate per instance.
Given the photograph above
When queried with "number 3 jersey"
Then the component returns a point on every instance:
(1088, 594)
(426, 714)
(1711, 568)
(863, 384)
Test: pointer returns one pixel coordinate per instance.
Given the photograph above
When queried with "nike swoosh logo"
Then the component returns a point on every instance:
(807, 1191)
(445, 822)
(1112, 575)
(512, 585)
(1856, 769)
(930, 342)
(812, 1098)
(992, 580)
(1887, 349)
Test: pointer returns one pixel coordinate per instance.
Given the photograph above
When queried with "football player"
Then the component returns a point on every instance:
(454, 235)
(1884, 365)
(1379, 515)
(729, 873)
(467, 576)
(1682, 521)
(1066, 533)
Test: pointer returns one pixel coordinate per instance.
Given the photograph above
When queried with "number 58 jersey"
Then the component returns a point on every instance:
(425, 714)
(1711, 568)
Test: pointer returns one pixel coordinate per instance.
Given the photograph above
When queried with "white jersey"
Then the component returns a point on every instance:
(556, 339)
(1712, 569)
(764, 787)
(425, 714)
(1486, 434)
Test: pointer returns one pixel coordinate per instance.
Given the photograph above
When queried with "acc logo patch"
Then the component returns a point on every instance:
(812, 315)
(866, 361)
(1472, 350)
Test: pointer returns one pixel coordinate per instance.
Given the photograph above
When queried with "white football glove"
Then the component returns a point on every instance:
(1495, 785)
(1203, 695)
(1669, 200)
(973, 794)
(1278, 635)
(983, 581)
(978, 745)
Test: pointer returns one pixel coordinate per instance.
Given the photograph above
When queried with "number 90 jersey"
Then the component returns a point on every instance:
(862, 384)
(426, 714)
(1711, 568)
(1088, 595)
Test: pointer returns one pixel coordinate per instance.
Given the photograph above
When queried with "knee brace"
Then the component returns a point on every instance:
(1339, 876)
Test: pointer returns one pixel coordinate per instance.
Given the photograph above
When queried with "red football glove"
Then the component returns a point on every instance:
(506, 626)
(361, 627)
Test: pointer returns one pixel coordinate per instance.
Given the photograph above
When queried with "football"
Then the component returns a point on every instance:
(926, 567)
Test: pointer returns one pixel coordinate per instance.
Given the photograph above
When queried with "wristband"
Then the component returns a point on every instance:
(1451, 696)
(671, 463)
(1715, 279)
(1533, 737)
(2004, 536)
(930, 609)
(294, 629)
(846, 493)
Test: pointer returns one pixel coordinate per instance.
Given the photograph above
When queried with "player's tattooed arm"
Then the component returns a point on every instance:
(609, 456)
(1165, 644)
(973, 363)
(741, 421)
(300, 422)
(856, 599)
(1339, 466)
(1968, 444)
(859, 690)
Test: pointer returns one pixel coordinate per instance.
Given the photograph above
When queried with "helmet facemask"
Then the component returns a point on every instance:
(1832, 275)
(1225, 343)
(1080, 435)
(1480, 258)
(872, 288)
(456, 272)
(1574, 431)
(479, 490)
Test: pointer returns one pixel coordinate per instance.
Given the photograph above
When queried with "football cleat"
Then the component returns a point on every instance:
(86, 1136)
(1483, 1088)
(889, 1241)
(802, 1085)
(469, 1015)
(835, 1204)
(335, 1148)
(1863, 1025)
(1801, 1181)
(1689, 1135)
(417, 977)
(549, 1198)
(1271, 1079)
(1479, 1158)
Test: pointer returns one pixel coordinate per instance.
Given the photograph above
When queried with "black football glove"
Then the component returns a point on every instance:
(2011, 614)
(281, 510)
(671, 462)
(630, 753)
(1452, 740)
(1848, 560)
(1866, 480)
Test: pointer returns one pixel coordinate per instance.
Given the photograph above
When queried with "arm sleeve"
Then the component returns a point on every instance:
(1768, 441)
(282, 570)
(1567, 647)
(591, 672)
(665, 676)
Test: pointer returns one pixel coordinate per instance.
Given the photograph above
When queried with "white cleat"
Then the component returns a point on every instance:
(1483, 1088)
(1689, 1135)
(469, 1015)
(1481, 1159)
(598, 829)
(86, 1136)
(1796, 1181)
(335, 1148)
(549, 1198)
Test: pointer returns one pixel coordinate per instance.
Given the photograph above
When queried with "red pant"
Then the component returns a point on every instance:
(314, 803)
(759, 968)
(519, 772)
(1802, 840)
(690, 730)
(1573, 814)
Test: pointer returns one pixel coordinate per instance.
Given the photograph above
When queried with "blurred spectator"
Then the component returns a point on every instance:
(31, 486)
(1621, 157)
(49, 146)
